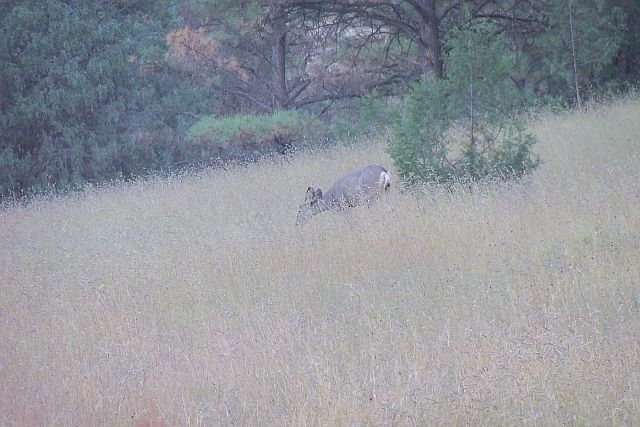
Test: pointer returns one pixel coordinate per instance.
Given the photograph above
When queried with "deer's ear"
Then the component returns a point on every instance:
(317, 195)
(309, 197)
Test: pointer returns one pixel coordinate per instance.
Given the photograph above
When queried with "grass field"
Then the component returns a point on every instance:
(194, 300)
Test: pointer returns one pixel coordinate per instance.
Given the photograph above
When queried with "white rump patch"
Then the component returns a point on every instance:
(384, 182)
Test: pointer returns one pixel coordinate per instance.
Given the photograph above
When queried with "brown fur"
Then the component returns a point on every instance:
(358, 187)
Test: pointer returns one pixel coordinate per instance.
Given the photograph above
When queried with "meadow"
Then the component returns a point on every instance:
(195, 300)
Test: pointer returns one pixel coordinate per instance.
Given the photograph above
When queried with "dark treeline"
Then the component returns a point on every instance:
(95, 91)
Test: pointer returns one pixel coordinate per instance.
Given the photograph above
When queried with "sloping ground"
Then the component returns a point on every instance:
(195, 299)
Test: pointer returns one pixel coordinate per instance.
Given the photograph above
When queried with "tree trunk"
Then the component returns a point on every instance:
(278, 54)
(429, 35)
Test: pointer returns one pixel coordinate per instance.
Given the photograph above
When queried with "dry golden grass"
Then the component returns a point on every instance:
(196, 301)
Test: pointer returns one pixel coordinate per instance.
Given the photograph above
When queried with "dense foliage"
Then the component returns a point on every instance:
(94, 91)
(77, 103)
(461, 127)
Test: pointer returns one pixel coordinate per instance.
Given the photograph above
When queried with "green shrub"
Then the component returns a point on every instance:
(462, 127)
(248, 135)
(377, 112)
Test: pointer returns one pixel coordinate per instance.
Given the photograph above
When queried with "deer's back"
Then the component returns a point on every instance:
(359, 186)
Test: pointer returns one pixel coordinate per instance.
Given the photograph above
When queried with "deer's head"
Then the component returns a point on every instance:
(311, 206)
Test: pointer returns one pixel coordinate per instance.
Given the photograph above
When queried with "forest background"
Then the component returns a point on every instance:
(100, 91)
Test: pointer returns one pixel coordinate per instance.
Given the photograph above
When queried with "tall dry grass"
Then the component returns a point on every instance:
(194, 300)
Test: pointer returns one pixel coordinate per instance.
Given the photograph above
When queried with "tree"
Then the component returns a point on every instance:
(559, 46)
(80, 103)
(240, 50)
(461, 127)
(266, 55)
(416, 21)
(627, 61)
(319, 51)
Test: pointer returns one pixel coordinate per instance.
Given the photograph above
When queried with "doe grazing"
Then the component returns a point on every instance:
(357, 188)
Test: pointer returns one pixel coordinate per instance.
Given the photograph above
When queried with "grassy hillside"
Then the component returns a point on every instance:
(196, 301)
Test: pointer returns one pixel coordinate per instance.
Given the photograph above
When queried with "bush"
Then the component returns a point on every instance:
(250, 136)
(462, 127)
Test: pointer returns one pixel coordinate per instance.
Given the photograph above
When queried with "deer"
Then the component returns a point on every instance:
(358, 187)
